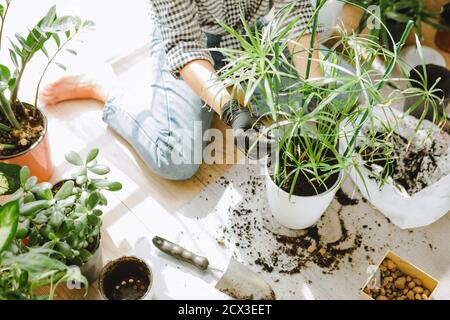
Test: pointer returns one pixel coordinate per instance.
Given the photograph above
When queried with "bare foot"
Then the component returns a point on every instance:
(73, 88)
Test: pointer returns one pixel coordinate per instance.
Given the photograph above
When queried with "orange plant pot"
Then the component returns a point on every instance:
(37, 157)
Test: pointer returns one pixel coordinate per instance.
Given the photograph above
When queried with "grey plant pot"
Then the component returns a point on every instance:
(91, 269)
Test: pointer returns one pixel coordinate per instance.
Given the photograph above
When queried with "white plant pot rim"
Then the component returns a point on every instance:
(323, 194)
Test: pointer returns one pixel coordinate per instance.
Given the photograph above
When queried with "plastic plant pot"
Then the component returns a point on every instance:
(127, 278)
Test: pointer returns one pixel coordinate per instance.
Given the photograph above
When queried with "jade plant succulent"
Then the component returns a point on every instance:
(22, 269)
(66, 217)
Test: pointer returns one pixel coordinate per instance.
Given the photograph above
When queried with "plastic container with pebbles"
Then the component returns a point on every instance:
(127, 278)
(397, 279)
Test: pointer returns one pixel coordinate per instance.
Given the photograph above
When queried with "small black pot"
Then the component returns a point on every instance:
(127, 278)
(433, 72)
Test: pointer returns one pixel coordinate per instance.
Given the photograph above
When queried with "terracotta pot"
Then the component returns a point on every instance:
(37, 157)
(443, 36)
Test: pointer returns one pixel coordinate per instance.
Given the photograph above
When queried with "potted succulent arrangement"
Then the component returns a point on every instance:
(324, 127)
(395, 15)
(23, 127)
(23, 270)
(67, 219)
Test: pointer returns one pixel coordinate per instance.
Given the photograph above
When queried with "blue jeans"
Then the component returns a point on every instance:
(164, 128)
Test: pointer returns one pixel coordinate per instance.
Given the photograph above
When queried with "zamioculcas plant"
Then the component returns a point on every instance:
(65, 218)
(23, 128)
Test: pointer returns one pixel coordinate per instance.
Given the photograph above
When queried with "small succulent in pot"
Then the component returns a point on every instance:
(67, 220)
(22, 270)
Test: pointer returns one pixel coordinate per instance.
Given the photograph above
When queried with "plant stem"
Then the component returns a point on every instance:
(319, 6)
(9, 113)
(3, 22)
(50, 61)
(7, 147)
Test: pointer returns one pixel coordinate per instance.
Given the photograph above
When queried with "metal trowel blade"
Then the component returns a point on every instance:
(240, 283)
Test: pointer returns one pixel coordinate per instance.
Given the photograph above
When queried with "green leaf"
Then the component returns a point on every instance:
(94, 220)
(74, 158)
(60, 65)
(49, 18)
(30, 209)
(13, 57)
(9, 178)
(31, 182)
(100, 170)
(93, 200)
(9, 220)
(5, 74)
(71, 51)
(85, 255)
(56, 219)
(24, 175)
(92, 155)
(114, 186)
(65, 191)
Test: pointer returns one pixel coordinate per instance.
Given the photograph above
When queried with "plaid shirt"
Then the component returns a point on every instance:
(183, 24)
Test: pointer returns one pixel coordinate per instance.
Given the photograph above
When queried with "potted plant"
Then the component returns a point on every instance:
(395, 15)
(307, 116)
(67, 219)
(23, 127)
(443, 36)
(24, 270)
(435, 80)
(126, 278)
(324, 126)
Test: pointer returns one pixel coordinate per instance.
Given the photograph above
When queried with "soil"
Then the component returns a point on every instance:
(288, 254)
(344, 199)
(33, 126)
(414, 166)
(126, 279)
(306, 184)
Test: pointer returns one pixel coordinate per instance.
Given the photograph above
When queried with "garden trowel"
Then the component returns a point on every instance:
(238, 281)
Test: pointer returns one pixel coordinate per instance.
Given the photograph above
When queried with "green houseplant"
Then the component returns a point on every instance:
(66, 217)
(312, 118)
(24, 270)
(395, 15)
(23, 128)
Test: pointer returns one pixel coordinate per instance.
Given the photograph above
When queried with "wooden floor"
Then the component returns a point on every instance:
(196, 212)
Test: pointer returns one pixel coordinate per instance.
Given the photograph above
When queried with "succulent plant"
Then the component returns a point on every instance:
(22, 270)
(65, 218)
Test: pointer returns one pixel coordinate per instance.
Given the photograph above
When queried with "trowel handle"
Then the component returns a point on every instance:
(181, 253)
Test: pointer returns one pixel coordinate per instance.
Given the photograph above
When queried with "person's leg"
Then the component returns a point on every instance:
(164, 122)
(166, 126)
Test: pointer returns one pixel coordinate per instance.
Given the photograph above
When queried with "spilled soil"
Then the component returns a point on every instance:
(414, 166)
(288, 254)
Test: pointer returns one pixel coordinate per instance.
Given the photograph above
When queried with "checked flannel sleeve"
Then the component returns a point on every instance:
(183, 38)
(299, 12)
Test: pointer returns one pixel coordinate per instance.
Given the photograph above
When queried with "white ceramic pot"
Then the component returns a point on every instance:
(295, 212)
(329, 15)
